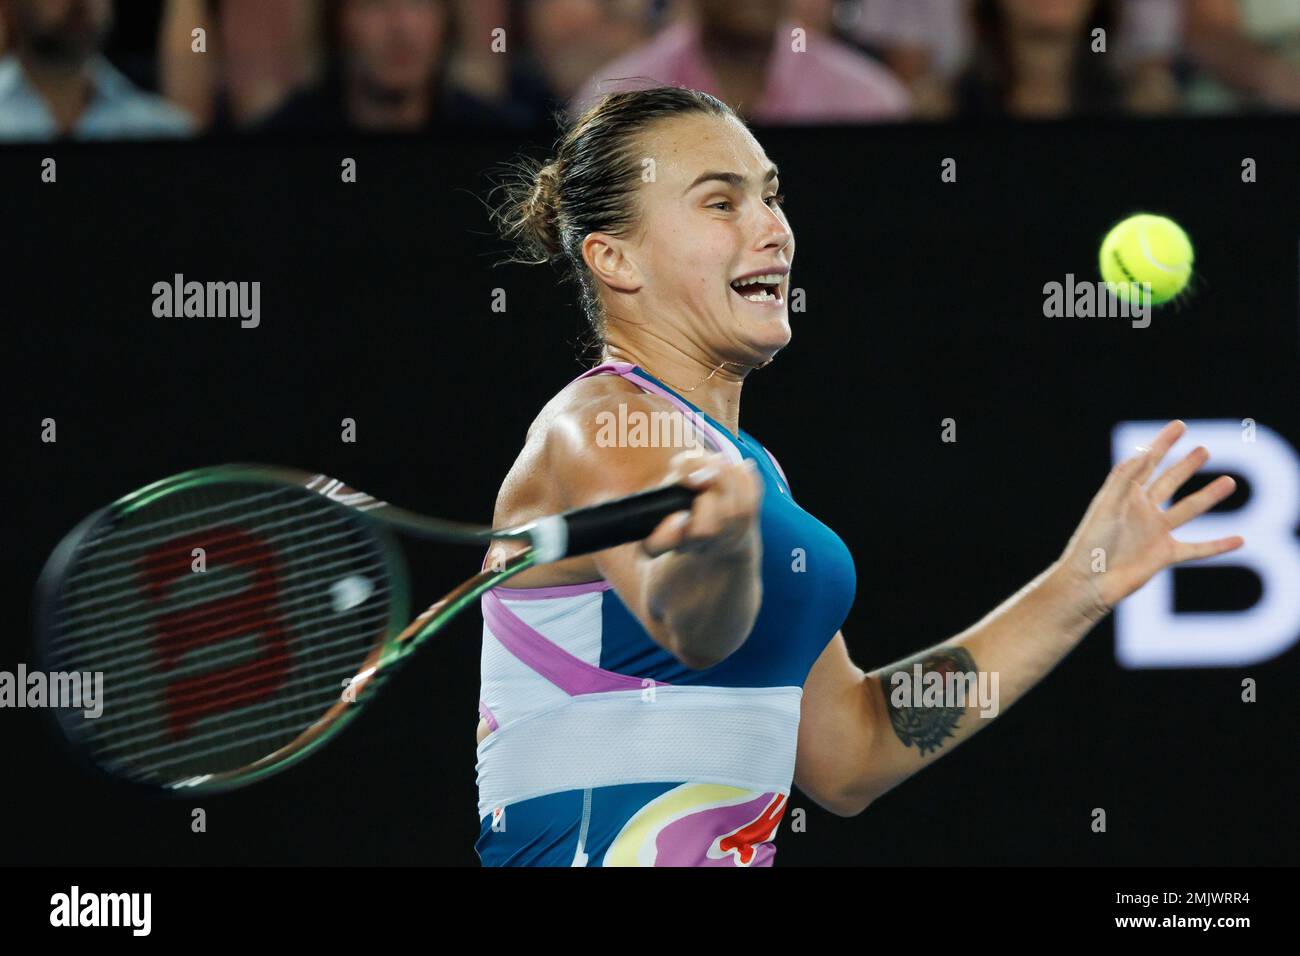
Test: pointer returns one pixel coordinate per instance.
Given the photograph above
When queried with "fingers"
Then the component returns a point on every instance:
(667, 535)
(694, 471)
(724, 509)
(1126, 469)
(1164, 440)
(1196, 550)
(1163, 488)
(726, 506)
(1197, 504)
(706, 515)
(1117, 484)
(1141, 466)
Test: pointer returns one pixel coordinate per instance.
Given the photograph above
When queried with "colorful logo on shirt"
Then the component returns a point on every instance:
(701, 824)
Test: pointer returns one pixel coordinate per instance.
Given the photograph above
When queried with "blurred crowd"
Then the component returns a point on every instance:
(157, 68)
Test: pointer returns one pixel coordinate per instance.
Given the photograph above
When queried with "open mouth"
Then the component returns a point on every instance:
(760, 288)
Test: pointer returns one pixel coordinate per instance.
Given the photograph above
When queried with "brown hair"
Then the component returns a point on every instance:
(987, 83)
(590, 183)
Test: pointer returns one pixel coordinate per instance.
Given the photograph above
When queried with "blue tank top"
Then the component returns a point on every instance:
(652, 762)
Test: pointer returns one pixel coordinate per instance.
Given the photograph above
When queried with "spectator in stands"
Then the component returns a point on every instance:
(256, 53)
(54, 81)
(757, 59)
(386, 72)
(479, 60)
(1034, 59)
(1249, 52)
(928, 43)
(561, 43)
(924, 42)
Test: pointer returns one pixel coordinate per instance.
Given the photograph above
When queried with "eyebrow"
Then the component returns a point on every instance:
(731, 179)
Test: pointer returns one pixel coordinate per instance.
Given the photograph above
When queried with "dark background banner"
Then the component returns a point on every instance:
(924, 302)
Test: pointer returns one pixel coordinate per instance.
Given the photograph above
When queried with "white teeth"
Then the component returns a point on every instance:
(772, 278)
(772, 281)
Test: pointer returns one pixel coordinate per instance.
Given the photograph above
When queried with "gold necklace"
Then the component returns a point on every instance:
(678, 388)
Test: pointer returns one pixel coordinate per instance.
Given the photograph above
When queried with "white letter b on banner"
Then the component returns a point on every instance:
(1148, 632)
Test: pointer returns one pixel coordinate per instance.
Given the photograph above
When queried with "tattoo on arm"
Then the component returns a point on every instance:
(925, 727)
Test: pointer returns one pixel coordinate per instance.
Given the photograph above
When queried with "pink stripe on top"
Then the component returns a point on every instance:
(571, 674)
(777, 465)
(486, 713)
(712, 435)
(554, 591)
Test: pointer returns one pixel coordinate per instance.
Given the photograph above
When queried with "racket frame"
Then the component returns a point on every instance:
(401, 634)
(548, 539)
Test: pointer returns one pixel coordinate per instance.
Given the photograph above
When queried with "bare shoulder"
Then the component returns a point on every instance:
(568, 457)
(564, 464)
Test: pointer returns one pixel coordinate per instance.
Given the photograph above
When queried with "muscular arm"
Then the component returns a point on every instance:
(699, 600)
(885, 738)
(693, 586)
(857, 741)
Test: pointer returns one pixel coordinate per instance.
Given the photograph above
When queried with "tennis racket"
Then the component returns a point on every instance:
(241, 615)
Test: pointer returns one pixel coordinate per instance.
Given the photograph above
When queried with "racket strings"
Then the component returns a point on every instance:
(127, 572)
(143, 652)
(199, 596)
(249, 742)
(205, 668)
(188, 519)
(150, 683)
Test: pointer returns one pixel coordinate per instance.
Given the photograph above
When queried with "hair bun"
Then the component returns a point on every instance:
(588, 183)
(540, 215)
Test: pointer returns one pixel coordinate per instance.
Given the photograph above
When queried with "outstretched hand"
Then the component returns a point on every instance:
(1131, 529)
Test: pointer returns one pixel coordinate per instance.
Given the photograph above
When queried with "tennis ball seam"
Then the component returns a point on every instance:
(1123, 266)
(1129, 259)
(1150, 257)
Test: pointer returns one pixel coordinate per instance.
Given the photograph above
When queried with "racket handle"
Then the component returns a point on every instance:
(597, 527)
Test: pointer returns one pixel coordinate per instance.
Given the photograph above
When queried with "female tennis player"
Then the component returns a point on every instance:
(652, 704)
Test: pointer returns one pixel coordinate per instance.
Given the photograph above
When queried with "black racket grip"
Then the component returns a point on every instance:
(611, 523)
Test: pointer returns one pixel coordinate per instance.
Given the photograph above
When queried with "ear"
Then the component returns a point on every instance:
(610, 260)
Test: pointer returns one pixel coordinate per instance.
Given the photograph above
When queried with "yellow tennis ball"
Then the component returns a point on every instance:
(1147, 249)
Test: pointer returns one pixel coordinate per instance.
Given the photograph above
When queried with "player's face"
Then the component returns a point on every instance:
(698, 237)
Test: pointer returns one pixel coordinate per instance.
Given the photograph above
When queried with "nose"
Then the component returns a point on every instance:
(775, 232)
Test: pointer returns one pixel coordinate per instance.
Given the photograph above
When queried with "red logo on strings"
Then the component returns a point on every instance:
(249, 611)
